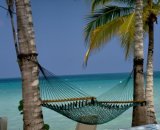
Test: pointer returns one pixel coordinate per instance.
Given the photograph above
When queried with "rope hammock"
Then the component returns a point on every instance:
(70, 101)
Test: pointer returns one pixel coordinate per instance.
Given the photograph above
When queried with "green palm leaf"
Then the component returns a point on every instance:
(126, 33)
(96, 3)
(107, 23)
(102, 34)
(104, 15)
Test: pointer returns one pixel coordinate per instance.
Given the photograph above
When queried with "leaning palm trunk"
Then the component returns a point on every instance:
(151, 118)
(139, 112)
(33, 119)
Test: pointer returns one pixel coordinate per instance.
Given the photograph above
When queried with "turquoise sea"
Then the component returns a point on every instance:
(95, 84)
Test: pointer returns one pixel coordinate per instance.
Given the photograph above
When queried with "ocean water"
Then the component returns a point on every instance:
(10, 95)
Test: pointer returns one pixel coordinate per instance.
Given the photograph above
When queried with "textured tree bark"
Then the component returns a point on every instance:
(151, 118)
(139, 112)
(33, 119)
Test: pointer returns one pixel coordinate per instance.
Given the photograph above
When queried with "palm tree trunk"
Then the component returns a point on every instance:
(151, 118)
(33, 119)
(139, 112)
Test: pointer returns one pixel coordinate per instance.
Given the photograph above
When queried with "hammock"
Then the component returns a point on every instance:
(70, 101)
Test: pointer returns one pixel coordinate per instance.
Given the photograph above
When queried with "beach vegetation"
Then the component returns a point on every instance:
(20, 107)
(46, 127)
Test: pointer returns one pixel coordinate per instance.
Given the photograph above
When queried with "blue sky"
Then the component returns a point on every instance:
(59, 27)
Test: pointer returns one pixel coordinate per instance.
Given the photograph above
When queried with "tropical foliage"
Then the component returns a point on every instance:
(108, 20)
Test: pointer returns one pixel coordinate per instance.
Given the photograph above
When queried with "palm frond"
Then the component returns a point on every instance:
(87, 56)
(156, 9)
(147, 11)
(100, 29)
(103, 16)
(126, 33)
(96, 3)
(102, 35)
(127, 29)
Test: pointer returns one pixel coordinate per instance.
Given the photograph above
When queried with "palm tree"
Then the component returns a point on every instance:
(151, 118)
(139, 112)
(27, 56)
(103, 26)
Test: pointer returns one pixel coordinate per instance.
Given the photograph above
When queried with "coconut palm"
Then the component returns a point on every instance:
(139, 112)
(101, 29)
(151, 118)
(27, 56)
